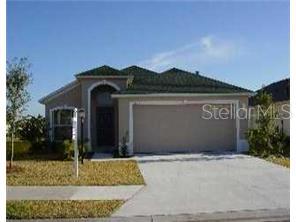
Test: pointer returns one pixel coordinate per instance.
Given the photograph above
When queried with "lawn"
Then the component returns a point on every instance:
(41, 209)
(283, 161)
(53, 173)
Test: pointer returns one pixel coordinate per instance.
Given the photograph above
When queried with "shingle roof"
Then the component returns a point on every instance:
(136, 70)
(171, 81)
(279, 90)
(102, 71)
(177, 81)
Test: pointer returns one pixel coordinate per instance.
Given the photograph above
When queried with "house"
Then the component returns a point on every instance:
(280, 92)
(154, 112)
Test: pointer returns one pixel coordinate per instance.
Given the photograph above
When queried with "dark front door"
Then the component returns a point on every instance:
(105, 126)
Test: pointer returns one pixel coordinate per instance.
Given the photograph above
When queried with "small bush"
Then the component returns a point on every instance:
(124, 147)
(21, 148)
(33, 129)
(264, 144)
(64, 149)
(68, 149)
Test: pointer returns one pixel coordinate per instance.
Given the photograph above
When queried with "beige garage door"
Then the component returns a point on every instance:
(180, 128)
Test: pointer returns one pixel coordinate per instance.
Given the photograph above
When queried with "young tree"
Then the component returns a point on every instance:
(18, 79)
(265, 139)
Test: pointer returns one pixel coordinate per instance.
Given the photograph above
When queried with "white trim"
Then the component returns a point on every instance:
(180, 95)
(94, 85)
(59, 91)
(102, 77)
(180, 102)
(51, 135)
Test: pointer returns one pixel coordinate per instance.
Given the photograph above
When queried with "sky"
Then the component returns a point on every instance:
(245, 43)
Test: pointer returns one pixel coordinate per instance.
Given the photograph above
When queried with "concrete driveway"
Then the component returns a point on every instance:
(197, 183)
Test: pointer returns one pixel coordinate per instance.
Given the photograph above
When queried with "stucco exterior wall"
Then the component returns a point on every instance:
(123, 106)
(69, 98)
(78, 97)
(86, 84)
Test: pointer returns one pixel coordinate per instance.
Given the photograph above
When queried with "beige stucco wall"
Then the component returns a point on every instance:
(70, 98)
(86, 83)
(123, 106)
(78, 97)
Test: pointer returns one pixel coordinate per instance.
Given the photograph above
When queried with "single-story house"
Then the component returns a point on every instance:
(155, 112)
(280, 92)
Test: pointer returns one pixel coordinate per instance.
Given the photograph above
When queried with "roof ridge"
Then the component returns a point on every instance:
(205, 77)
(129, 68)
(100, 68)
(276, 82)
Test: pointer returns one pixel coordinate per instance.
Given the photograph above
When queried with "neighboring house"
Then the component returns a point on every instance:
(159, 112)
(280, 92)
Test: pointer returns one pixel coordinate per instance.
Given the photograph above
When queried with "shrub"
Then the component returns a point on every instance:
(68, 149)
(63, 148)
(33, 129)
(124, 146)
(263, 143)
(266, 139)
(21, 148)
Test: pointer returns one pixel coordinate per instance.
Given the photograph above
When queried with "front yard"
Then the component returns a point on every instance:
(41, 209)
(54, 173)
(283, 161)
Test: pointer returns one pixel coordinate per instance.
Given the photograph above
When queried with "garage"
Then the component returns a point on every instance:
(180, 128)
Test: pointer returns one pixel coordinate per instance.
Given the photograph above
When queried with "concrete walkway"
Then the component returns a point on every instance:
(233, 216)
(71, 192)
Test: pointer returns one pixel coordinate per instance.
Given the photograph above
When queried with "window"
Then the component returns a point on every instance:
(62, 124)
(104, 99)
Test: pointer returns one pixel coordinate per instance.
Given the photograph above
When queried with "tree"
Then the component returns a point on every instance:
(266, 138)
(18, 79)
(33, 129)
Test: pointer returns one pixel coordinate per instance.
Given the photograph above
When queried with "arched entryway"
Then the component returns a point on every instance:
(103, 118)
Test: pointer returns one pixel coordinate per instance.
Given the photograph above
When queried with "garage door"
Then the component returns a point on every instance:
(180, 128)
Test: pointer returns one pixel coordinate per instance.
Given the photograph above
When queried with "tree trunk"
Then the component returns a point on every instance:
(12, 149)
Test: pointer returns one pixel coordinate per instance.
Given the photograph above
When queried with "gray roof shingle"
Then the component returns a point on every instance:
(171, 81)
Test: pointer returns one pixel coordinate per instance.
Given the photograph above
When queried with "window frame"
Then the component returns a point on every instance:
(52, 120)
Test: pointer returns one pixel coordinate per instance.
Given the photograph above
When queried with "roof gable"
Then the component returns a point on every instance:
(136, 70)
(102, 71)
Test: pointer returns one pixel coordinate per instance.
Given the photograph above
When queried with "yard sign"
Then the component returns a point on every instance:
(75, 140)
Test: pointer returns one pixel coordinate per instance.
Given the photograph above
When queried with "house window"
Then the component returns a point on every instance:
(62, 124)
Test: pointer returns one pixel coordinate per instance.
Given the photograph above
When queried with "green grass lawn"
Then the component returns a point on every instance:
(283, 161)
(41, 209)
(53, 173)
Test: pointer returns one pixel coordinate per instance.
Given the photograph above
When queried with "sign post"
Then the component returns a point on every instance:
(75, 140)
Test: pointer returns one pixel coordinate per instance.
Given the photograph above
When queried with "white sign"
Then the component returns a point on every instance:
(74, 125)
(75, 140)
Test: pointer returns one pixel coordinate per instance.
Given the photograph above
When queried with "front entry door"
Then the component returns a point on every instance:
(105, 126)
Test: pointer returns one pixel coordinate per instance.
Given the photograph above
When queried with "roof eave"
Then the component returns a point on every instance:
(59, 91)
(249, 94)
(101, 77)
